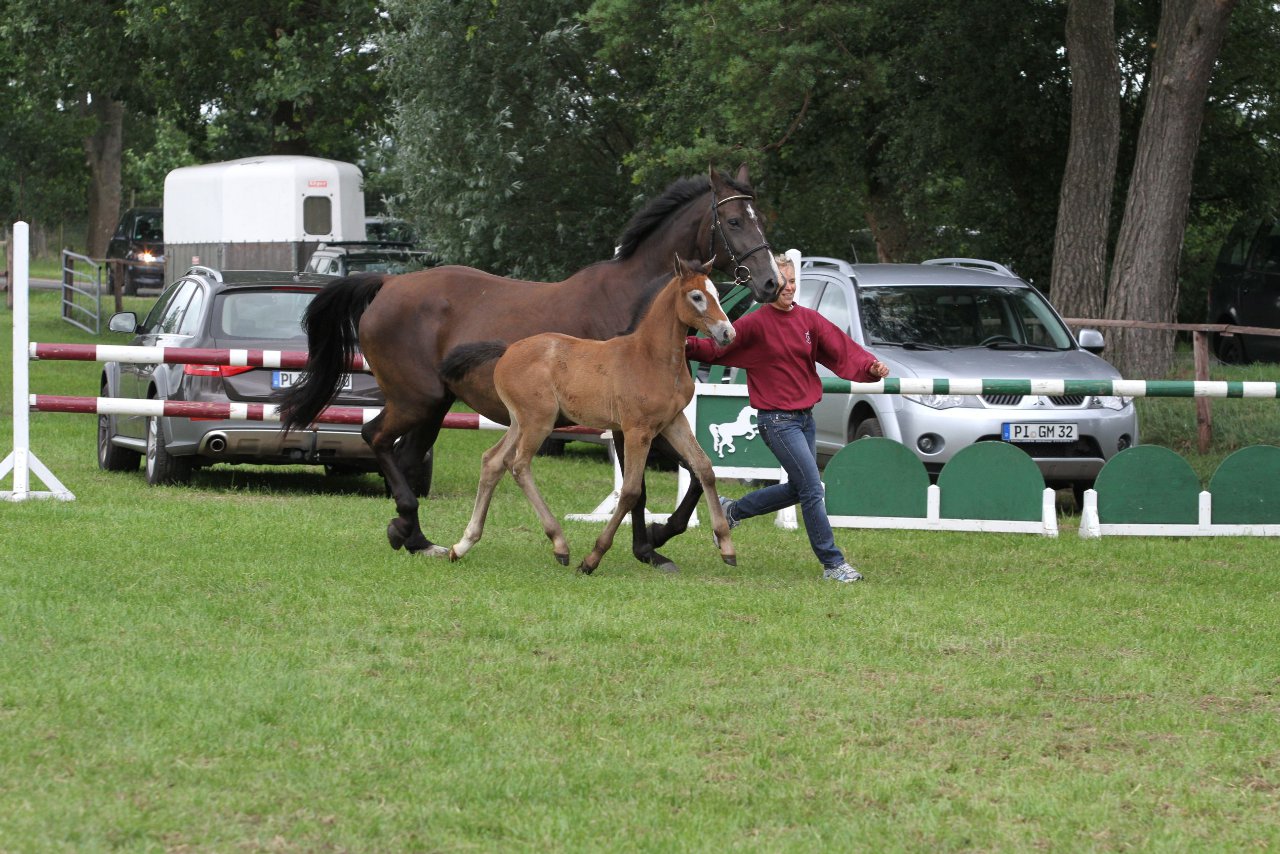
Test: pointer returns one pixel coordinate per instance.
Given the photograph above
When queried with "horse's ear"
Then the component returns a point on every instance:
(743, 179)
(680, 268)
(709, 265)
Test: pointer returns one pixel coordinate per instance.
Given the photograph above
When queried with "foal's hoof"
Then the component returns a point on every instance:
(732, 560)
(583, 569)
(562, 559)
(454, 557)
(431, 550)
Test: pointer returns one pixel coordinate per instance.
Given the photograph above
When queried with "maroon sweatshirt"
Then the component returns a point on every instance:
(779, 349)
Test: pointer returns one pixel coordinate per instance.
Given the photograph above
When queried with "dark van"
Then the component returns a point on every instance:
(1245, 291)
(136, 251)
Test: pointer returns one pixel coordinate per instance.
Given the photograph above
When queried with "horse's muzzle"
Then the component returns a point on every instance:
(722, 333)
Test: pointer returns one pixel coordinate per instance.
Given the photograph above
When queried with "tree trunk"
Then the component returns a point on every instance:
(103, 154)
(1144, 274)
(1078, 282)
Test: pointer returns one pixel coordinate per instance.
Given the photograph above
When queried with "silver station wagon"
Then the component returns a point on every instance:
(964, 318)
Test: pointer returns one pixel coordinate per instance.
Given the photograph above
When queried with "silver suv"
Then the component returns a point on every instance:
(964, 318)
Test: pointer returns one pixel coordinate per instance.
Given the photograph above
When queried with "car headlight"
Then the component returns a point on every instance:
(938, 401)
(1112, 402)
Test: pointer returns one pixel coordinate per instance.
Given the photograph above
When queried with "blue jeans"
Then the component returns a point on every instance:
(791, 436)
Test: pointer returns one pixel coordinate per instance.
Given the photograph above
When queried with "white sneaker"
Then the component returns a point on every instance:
(843, 573)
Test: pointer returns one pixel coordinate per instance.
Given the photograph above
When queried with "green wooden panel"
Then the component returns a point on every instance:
(1246, 487)
(992, 480)
(876, 477)
(727, 431)
(1148, 485)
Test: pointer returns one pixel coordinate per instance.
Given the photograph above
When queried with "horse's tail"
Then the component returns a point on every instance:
(330, 322)
(465, 358)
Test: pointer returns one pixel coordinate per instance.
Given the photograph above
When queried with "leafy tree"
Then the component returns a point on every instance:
(1144, 271)
(245, 77)
(511, 142)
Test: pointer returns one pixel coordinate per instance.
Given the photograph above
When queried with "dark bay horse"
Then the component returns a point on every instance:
(406, 324)
(637, 384)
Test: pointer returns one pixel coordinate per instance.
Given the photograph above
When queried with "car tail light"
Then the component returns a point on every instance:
(215, 370)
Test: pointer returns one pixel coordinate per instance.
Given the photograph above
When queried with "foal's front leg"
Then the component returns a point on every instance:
(637, 452)
(642, 543)
(683, 441)
(659, 533)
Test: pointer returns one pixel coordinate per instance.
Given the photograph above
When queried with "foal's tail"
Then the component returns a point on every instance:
(465, 358)
(331, 322)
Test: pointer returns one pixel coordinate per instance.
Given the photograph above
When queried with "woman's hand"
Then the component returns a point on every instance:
(879, 369)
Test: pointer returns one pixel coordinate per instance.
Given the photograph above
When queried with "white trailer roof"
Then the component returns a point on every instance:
(264, 199)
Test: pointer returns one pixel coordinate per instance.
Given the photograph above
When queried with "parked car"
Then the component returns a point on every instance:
(341, 259)
(971, 319)
(228, 310)
(136, 251)
(1245, 291)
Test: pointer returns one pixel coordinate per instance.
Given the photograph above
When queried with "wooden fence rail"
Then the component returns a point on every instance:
(1200, 333)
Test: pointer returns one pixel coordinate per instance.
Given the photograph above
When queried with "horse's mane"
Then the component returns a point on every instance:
(677, 195)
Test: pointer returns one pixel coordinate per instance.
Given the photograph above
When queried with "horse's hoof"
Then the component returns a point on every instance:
(454, 557)
(732, 560)
(394, 536)
(430, 551)
(562, 559)
(583, 569)
(662, 563)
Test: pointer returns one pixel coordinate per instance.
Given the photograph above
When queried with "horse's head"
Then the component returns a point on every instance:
(736, 235)
(697, 304)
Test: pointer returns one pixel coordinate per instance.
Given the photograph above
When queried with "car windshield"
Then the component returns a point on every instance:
(262, 314)
(960, 316)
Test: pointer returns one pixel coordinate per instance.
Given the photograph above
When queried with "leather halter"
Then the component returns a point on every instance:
(741, 275)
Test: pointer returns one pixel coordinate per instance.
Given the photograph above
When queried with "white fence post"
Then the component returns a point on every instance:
(22, 462)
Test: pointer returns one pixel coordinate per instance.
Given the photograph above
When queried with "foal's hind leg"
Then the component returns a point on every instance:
(381, 434)
(522, 471)
(492, 466)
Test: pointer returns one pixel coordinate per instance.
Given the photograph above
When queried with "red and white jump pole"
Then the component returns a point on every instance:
(22, 462)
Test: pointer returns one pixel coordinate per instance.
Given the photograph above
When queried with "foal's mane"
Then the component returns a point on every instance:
(677, 195)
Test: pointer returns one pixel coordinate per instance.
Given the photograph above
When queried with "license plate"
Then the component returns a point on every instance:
(1036, 431)
(286, 379)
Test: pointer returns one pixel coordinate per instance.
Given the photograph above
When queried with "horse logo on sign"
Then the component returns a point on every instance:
(724, 434)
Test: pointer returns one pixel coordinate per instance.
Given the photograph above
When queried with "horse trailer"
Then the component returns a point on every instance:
(259, 213)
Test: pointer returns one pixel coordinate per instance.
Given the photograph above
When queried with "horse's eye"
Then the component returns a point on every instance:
(735, 222)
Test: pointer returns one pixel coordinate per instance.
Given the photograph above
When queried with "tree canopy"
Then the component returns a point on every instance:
(521, 135)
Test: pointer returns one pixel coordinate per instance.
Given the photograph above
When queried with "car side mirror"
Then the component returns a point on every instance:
(125, 321)
(1092, 340)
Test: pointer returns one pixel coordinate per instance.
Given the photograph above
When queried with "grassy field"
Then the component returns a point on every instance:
(244, 665)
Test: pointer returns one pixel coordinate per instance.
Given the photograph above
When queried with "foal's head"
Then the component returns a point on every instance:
(697, 304)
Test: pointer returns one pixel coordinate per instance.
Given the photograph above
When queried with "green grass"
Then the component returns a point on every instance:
(245, 665)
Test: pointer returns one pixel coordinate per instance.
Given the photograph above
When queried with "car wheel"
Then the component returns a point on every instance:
(163, 467)
(1077, 492)
(340, 470)
(110, 456)
(868, 428)
(1229, 349)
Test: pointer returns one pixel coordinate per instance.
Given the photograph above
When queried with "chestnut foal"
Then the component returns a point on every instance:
(637, 384)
